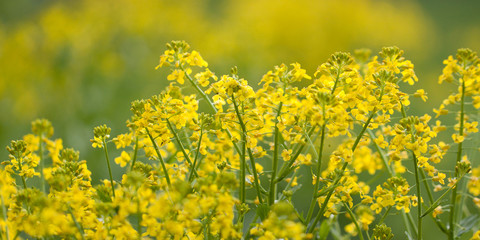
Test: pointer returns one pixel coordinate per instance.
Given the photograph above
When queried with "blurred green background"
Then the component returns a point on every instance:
(81, 63)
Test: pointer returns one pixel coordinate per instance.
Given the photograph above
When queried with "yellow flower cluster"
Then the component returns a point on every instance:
(233, 171)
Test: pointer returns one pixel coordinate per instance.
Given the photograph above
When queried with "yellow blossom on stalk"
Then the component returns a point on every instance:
(437, 211)
(450, 68)
(286, 154)
(178, 76)
(194, 59)
(123, 140)
(123, 159)
(420, 93)
(457, 139)
(380, 141)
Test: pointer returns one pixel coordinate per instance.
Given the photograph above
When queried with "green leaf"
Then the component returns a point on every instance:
(408, 236)
(262, 211)
(324, 230)
(467, 224)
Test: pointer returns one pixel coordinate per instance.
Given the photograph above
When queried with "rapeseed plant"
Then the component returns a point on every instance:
(233, 170)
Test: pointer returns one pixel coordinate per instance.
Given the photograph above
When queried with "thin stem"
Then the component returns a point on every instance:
(419, 198)
(242, 171)
(109, 169)
(135, 152)
(354, 220)
(412, 223)
(159, 156)
(317, 177)
(180, 144)
(273, 185)
(384, 215)
(417, 181)
(42, 164)
(430, 198)
(139, 220)
(437, 202)
(405, 218)
(453, 204)
(382, 155)
(193, 168)
(77, 224)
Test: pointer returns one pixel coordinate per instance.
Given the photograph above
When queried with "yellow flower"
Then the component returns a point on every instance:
(287, 154)
(123, 159)
(96, 142)
(421, 94)
(457, 139)
(476, 236)
(437, 211)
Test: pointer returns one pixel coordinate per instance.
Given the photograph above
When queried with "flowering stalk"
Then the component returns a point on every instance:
(193, 170)
(135, 153)
(317, 179)
(273, 185)
(109, 168)
(354, 220)
(42, 161)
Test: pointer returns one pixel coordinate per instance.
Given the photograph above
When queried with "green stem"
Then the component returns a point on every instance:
(437, 202)
(337, 179)
(159, 156)
(453, 204)
(193, 169)
(139, 220)
(317, 178)
(77, 224)
(430, 197)
(242, 170)
(417, 181)
(419, 199)
(380, 152)
(412, 223)
(180, 144)
(273, 185)
(134, 154)
(354, 220)
(108, 165)
(42, 164)
(384, 215)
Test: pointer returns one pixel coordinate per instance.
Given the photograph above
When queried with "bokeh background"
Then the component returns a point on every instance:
(81, 63)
